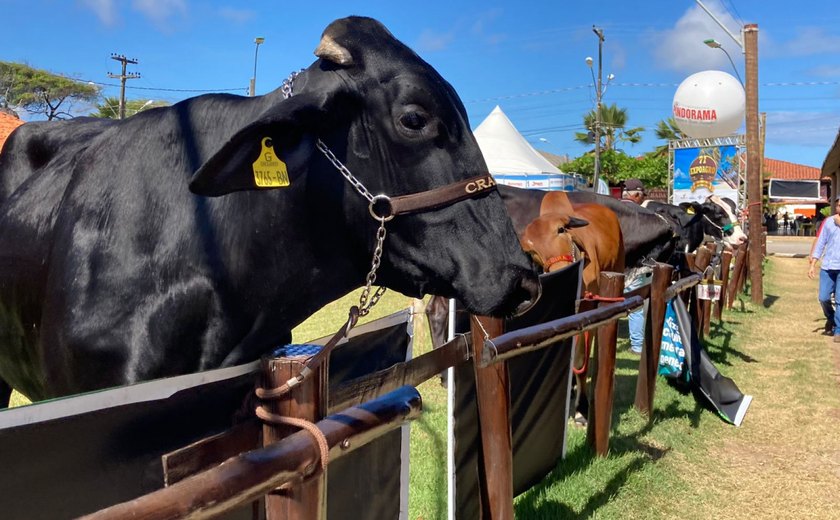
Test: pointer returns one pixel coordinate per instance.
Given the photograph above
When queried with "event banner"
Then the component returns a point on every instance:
(700, 172)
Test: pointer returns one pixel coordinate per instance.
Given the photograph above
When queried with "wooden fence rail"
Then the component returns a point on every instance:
(247, 477)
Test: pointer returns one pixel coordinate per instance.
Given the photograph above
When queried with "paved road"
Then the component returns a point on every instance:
(797, 247)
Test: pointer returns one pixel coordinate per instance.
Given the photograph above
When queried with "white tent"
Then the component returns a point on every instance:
(512, 160)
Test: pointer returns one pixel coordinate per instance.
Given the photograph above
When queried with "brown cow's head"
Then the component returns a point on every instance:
(548, 241)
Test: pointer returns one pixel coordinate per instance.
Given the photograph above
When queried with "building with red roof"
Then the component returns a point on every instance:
(8, 123)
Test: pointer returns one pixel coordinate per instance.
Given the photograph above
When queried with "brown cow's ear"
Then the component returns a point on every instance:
(576, 222)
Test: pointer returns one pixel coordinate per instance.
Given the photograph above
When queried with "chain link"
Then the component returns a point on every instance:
(365, 304)
(344, 171)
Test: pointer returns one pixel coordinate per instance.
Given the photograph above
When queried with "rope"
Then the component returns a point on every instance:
(587, 351)
(317, 434)
(589, 297)
(313, 362)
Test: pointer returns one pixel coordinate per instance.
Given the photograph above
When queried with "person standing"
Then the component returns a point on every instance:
(827, 251)
(634, 191)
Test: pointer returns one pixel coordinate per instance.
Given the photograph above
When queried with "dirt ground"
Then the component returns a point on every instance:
(784, 462)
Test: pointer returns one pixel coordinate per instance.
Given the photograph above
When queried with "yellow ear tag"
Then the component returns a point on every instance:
(269, 170)
(690, 211)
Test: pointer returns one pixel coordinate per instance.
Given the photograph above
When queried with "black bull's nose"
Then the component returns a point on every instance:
(528, 292)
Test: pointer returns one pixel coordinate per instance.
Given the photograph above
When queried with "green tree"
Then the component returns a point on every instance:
(613, 128)
(40, 92)
(109, 107)
(617, 166)
(667, 130)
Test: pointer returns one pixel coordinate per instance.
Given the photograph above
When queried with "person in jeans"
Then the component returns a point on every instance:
(634, 192)
(827, 250)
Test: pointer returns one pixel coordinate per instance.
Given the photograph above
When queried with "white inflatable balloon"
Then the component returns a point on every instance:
(709, 104)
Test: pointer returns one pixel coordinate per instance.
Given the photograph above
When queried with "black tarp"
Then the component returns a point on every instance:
(706, 381)
(794, 190)
(73, 456)
(539, 392)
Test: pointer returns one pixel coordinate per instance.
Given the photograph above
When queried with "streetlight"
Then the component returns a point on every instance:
(258, 40)
(749, 46)
(714, 44)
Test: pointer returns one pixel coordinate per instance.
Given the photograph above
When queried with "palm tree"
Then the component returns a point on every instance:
(613, 128)
(668, 130)
(110, 107)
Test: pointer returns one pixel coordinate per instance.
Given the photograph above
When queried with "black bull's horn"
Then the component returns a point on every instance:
(329, 50)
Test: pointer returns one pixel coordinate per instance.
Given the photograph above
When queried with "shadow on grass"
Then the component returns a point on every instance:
(718, 345)
(769, 300)
(631, 443)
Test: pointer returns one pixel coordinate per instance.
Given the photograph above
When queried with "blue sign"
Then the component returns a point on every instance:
(700, 172)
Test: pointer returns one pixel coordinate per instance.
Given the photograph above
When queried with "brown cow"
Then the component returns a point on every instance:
(560, 237)
(553, 237)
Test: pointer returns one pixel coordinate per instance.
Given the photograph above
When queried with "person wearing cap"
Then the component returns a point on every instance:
(634, 191)
(827, 251)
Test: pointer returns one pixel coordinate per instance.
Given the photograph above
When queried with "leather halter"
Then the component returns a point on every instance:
(383, 207)
(559, 258)
(570, 258)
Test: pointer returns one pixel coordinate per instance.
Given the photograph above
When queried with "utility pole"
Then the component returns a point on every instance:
(754, 187)
(123, 77)
(755, 160)
(598, 92)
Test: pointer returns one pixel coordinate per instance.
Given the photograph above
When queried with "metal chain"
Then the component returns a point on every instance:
(365, 305)
(344, 171)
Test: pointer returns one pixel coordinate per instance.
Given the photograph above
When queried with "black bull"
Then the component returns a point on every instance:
(112, 272)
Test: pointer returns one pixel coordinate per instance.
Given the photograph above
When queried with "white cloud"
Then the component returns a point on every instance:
(432, 41)
(825, 71)
(239, 16)
(802, 128)
(618, 57)
(159, 11)
(682, 49)
(105, 10)
(808, 41)
(482, 27)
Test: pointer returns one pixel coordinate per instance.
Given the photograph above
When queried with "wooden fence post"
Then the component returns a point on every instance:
(611, 285)
(725, 262)
(493, 397)
(704, 307)
(649, 362)
(737, 274)
(307, 401)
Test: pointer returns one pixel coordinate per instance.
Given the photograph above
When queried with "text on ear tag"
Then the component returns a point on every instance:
(269, 170)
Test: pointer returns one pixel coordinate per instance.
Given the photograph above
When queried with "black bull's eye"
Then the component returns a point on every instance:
(413, 120)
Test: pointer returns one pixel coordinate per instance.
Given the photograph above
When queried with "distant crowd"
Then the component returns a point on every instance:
(791, 224)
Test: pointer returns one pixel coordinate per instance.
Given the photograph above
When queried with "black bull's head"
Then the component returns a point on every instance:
(400, 128)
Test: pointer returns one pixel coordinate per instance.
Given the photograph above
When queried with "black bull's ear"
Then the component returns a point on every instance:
(286, 132)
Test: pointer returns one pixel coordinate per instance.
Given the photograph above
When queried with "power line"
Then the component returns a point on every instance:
(736, 14)
(163, 89)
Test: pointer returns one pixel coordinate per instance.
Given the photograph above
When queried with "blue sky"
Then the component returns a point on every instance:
(526, 57)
